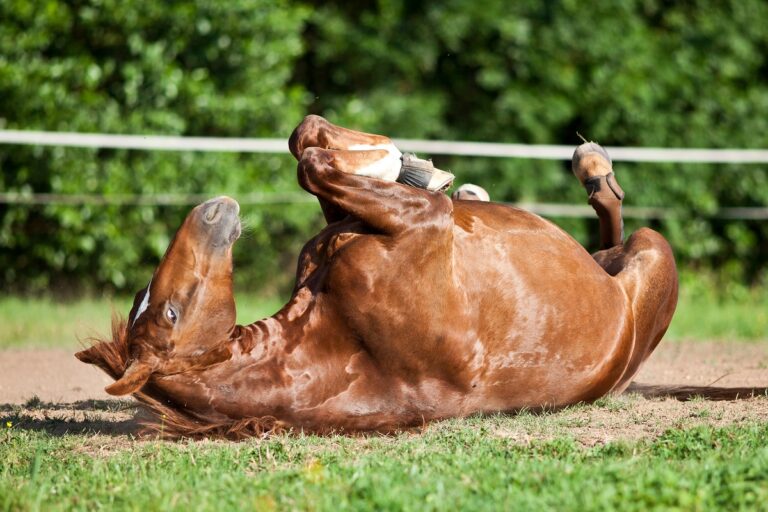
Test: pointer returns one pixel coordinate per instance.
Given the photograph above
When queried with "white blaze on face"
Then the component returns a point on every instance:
(388, 168)
(143, 306)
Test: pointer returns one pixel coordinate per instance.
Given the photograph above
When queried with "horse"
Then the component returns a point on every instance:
(408, 307)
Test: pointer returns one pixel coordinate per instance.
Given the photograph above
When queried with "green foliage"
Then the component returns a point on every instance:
(628, 72)
(142, 67)
(625, 73)
(456, 465)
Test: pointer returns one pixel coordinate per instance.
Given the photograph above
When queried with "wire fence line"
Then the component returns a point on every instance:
(276, 198)
(167, 199)
(280, 146)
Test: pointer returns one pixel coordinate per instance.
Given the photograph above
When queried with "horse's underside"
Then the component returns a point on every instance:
(408, 307)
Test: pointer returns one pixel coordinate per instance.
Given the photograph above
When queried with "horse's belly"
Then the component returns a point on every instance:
(551, 326)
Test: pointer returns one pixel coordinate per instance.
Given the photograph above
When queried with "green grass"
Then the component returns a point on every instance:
(702, 314)
(469, 464)
(456, 465)
(707, 311)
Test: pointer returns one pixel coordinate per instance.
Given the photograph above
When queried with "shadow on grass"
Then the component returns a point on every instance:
(684, 393)
(120, 418)
(105, 417)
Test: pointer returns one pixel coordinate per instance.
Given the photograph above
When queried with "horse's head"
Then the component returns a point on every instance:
(186, 312)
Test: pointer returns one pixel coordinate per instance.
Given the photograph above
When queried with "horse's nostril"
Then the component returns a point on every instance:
(212, 213)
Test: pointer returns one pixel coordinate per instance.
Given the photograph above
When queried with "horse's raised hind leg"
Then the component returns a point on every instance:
(342, 180)
(644, 266)
(592, 166)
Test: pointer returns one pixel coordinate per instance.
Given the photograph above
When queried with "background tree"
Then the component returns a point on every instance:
(141, 67)
(629, 72)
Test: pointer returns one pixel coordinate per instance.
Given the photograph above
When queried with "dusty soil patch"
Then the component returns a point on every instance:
(50, 390)
(631, 417)
(51, 375)
(704, 363)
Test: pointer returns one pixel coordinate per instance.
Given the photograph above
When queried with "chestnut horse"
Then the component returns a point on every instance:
(409, 306)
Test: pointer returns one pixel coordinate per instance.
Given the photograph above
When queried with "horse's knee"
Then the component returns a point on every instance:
(653, 279)
(305, 135)
(647, 239)
(312, 165)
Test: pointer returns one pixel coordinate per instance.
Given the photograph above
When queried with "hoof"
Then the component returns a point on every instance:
(594, 169)
(470, 192)
(590, 160)
(423, 174)
(594, 186)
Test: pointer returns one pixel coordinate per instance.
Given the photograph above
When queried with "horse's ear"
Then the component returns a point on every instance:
(90, 355)
(135, 376)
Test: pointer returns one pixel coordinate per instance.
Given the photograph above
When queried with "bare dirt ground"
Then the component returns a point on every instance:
(50, 390)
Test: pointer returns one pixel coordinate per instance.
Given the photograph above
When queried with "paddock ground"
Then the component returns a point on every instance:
(49, 390)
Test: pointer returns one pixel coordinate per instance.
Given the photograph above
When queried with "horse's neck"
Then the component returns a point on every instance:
(260, 338)
(278, 332)
(296, 362)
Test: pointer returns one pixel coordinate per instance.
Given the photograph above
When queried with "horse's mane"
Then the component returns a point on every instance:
(165, 417)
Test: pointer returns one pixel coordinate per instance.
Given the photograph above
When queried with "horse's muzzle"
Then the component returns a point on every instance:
(221, 217)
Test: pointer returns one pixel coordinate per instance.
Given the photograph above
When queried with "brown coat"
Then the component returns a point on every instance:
(407, 307)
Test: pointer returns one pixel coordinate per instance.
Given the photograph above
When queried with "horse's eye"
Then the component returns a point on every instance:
(171, 315)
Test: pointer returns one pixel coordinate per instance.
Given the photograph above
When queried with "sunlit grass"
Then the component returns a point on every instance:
(458, 465)
(707, 311)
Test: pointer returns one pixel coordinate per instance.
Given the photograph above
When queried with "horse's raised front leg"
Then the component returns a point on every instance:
(389, 164)
(317, 132)
(342, 180)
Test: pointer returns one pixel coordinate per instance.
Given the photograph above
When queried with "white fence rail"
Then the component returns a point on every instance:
(459, 148)
(433, 147)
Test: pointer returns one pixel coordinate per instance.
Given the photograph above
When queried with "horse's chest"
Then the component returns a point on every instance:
(350, 263)
(354, 273)
(321, 253)
(329, 248)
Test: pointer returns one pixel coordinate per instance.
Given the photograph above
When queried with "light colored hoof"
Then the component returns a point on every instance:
(470, 192)
(441, 180)
(590, 160)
